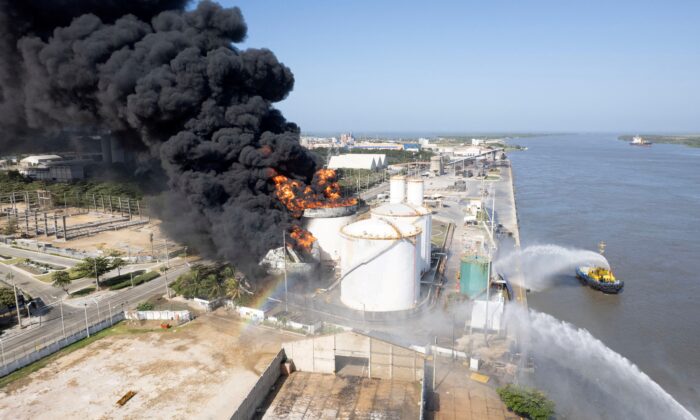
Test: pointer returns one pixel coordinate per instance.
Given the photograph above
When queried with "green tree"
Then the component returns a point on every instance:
(527, 402)
(7, 297)
(93, 267)
(61, 279)
(118, 263)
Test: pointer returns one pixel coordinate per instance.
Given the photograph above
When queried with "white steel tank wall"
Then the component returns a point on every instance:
(423, 222)
(397, 189)
(326, 230)
(380, 275)
(414, 191)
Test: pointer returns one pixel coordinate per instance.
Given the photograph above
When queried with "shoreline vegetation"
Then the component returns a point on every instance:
(690, 140)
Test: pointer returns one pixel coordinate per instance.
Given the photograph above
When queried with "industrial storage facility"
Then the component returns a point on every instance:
(381, 265)
(325, 224)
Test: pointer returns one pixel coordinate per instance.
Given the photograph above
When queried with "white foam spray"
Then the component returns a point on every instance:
(584, 377)
(540, 264)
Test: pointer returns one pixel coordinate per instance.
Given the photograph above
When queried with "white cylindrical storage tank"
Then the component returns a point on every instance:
(397, 189)
(380, 266)
(325, 223)
(414, 191)
(415, 215)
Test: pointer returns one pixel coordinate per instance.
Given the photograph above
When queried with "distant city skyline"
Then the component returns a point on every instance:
(453, 67)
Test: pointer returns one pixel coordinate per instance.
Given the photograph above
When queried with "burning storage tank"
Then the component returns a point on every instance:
(325, 223)
(380, 267)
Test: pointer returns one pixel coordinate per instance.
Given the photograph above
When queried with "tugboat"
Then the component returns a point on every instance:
(639, 141)
(599, 278)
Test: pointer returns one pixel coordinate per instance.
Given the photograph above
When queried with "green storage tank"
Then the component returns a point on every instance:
(473, 275)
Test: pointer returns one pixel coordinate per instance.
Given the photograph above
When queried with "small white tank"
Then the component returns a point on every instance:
(415, 215)
(380, 266)
(414, 191)
(397, 189)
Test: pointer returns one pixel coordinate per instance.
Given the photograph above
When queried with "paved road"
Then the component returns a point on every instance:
(37, 256)
(97, 308)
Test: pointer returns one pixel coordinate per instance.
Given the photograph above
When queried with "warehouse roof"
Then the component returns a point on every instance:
(357, 161)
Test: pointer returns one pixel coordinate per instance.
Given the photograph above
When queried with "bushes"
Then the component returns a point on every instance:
(141, 278)
(526, 402)
(145, 306)
(83, 292)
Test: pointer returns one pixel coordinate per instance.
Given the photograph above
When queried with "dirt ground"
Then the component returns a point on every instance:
(135, 239)
(203, 369)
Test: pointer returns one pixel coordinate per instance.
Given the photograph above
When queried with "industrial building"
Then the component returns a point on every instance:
(368, 161)
(52, 168)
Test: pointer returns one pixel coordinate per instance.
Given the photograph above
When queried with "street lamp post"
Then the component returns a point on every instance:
(2, 350)
(167, 291)
(98, 308)
(87, 326)
(63, 324)
(97, 280)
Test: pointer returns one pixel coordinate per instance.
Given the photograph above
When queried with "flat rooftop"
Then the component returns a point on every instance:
(303, 395)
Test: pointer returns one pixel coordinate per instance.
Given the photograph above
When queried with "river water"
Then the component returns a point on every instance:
(644, 202)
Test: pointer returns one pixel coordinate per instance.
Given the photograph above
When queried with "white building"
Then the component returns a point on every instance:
(367, 161)
(52, 168)
(477, 142)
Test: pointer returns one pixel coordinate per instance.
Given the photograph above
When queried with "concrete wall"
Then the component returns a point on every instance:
(182, 316)
(385, 360)
(57, 345)
(315, 354)
(257, 395)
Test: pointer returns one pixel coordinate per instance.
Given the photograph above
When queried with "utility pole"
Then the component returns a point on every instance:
(167, 291)
(284, 256)
(10, 277)
(167, 257)
(97, 281)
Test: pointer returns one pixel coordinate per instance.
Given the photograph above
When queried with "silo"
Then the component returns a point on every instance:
(325, 223)
(397, 189)
(436, 165)
(415, 215)
(414, 191)
(380, 266)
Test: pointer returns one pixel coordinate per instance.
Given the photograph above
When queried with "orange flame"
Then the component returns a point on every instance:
(324, 191)
(302, 237)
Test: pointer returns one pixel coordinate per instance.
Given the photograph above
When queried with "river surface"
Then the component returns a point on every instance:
(644, 202)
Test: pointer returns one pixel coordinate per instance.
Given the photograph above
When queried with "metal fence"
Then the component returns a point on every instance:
(51, 342)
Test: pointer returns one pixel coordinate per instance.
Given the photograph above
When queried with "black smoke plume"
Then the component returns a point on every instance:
(168, 82)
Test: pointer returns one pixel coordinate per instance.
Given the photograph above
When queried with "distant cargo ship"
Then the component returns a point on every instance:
(639, 141)
(599, 278)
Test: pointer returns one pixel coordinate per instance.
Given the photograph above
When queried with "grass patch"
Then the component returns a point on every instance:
(142, 278)
(120, 279)
(83, 292)
(11, 261)
(46, 278)
(120, 328)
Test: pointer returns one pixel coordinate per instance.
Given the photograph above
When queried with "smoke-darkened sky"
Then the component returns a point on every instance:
(398, 66)
(171, 85)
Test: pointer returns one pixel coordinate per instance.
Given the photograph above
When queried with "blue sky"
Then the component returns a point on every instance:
(489, 65)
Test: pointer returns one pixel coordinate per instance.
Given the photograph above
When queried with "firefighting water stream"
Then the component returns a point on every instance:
(542, 264)
(585, 377)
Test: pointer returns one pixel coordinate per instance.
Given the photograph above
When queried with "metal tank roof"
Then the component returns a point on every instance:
(379, 229)
(400, 210)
